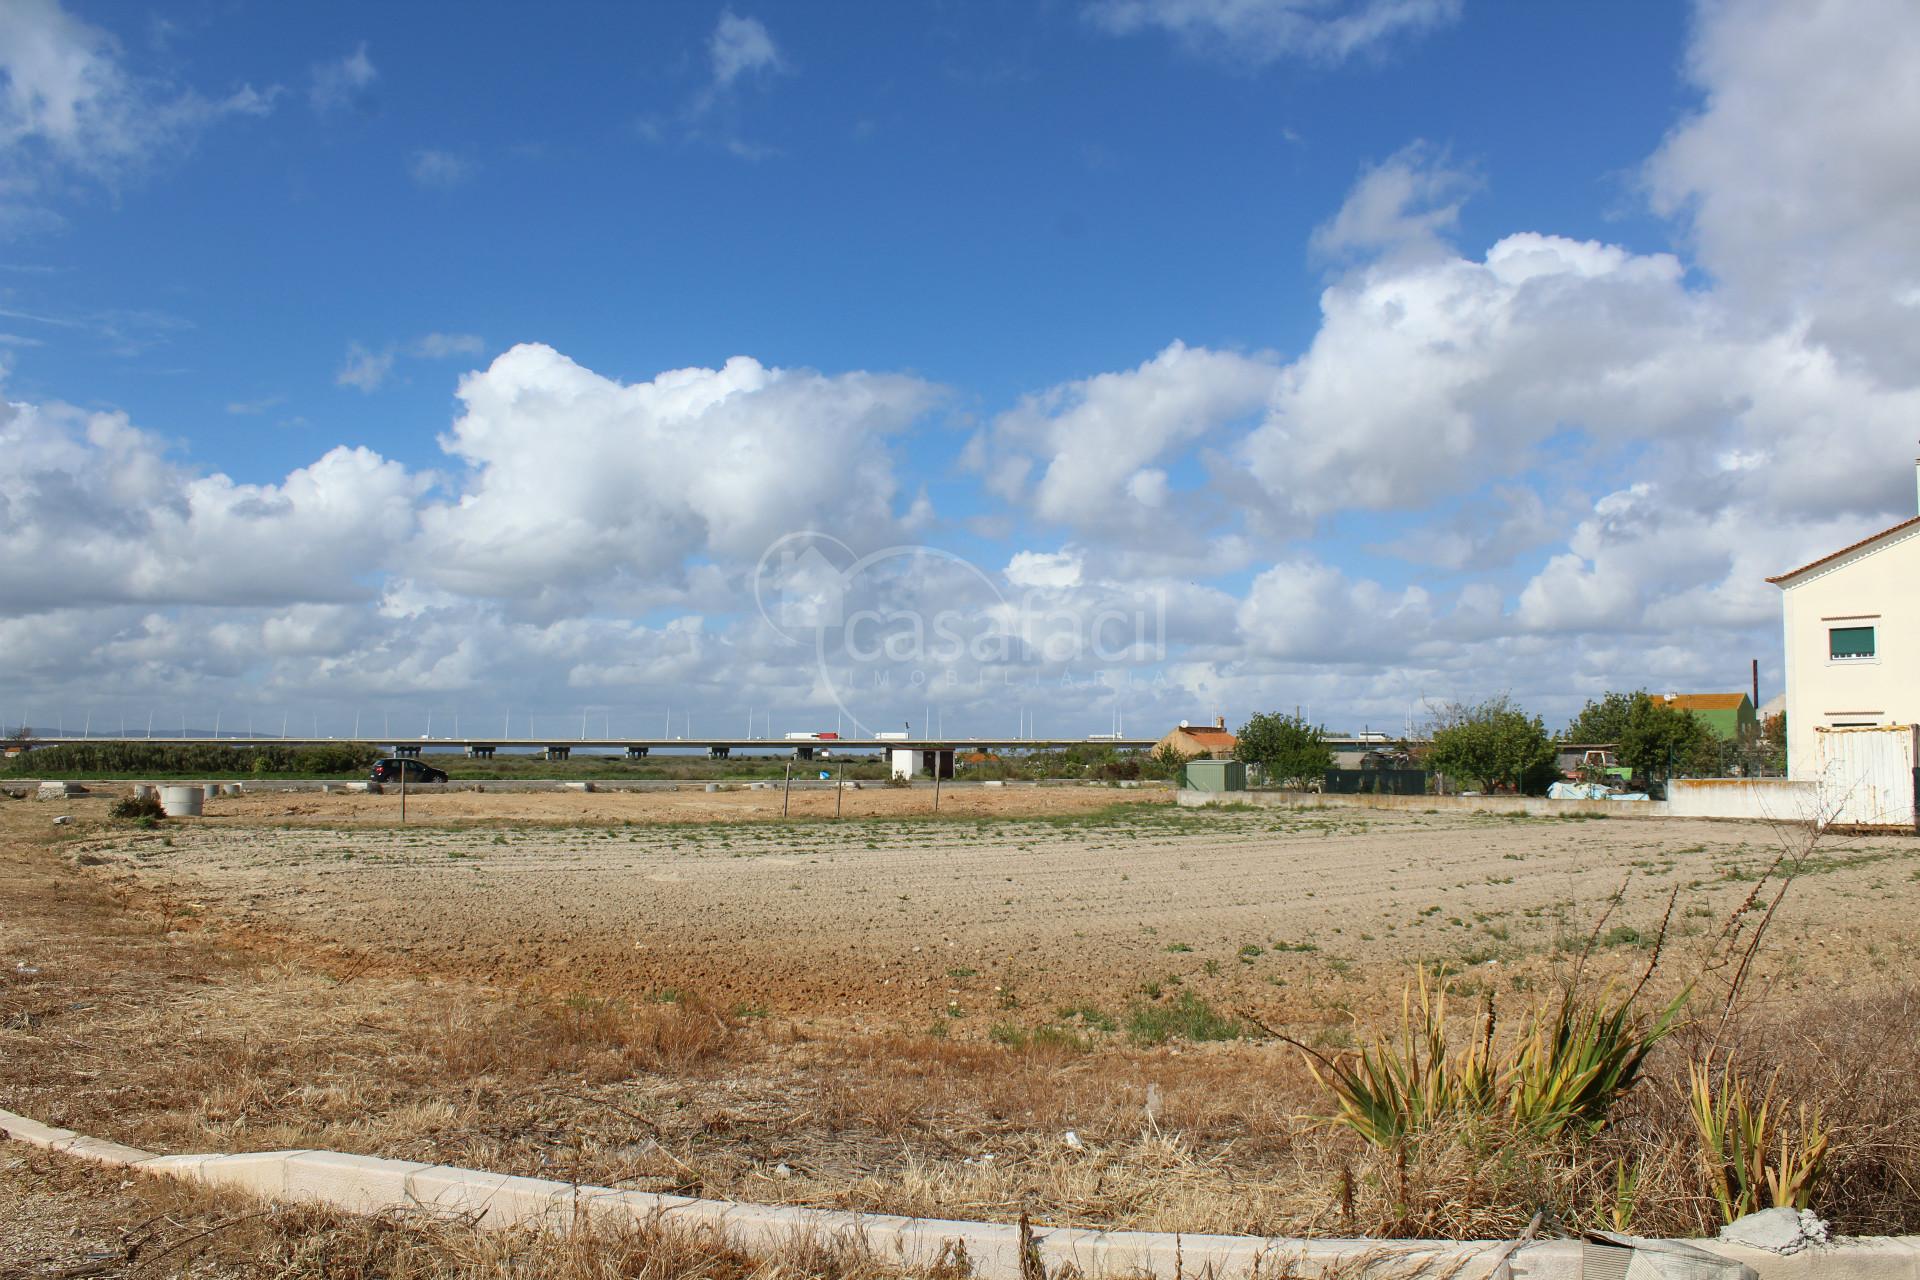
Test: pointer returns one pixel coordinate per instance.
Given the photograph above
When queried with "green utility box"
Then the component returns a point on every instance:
(1217, 775)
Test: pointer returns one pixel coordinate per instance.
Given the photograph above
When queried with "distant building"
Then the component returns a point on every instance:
(1211, 741)
(1729, 715)
(1852, 640)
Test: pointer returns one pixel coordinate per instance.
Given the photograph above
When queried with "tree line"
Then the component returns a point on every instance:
(1495, 744)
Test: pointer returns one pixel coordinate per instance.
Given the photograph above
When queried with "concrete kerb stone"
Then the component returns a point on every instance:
(32, 1132)
(372, 1184)
(100, 1151)
(494, 1199)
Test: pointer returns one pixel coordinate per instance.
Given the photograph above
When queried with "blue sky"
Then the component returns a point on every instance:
(1510, 342)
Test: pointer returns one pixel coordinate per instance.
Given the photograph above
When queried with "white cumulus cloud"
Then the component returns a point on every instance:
(573, 478)
(1095, 442)
(94, 513)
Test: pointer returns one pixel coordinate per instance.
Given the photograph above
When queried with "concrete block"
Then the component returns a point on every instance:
(60, 790)
(576, 786)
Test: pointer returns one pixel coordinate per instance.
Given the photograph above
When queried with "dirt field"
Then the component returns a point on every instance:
(1014, 903)
(906, 1013)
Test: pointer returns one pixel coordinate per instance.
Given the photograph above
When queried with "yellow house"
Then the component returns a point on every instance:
(1852, 639)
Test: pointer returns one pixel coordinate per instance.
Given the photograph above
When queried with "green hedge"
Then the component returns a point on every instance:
(122, 759)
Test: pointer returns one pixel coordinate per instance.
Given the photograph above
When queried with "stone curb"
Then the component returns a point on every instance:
(370, 1184)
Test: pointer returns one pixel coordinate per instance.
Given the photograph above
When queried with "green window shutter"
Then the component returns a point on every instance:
(1851, 642)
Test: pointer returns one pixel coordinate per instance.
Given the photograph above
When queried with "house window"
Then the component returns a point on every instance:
(1845, 644)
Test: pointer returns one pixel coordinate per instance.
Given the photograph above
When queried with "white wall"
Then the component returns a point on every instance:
(1760, 799)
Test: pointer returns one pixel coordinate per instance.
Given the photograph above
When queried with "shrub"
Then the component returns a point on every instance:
(145, 807)
(155, 759)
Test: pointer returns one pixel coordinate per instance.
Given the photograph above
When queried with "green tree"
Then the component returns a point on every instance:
(1171, 763)
(1660, 740)
(1289, 750)
(1603, 721)
(1654, 738)
(1493, 743)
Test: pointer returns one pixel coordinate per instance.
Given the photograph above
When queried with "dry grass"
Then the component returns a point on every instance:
(134, 1029)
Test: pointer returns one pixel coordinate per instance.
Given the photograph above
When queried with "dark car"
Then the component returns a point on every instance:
(389, 770)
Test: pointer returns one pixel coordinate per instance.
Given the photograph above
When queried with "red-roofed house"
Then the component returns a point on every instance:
(1210, 740)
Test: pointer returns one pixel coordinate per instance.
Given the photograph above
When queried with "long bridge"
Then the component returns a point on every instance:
(928, 753)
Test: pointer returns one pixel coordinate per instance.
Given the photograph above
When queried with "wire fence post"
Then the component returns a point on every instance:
(786, 792)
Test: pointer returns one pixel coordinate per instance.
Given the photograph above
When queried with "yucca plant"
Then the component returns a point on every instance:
(1390, 1090)
(1738, 1135)
(1569, 1071)
(1565, 1071)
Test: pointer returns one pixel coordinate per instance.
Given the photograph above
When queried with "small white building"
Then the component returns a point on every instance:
(1852, 640)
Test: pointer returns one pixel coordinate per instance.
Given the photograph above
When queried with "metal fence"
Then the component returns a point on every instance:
(1378, 782)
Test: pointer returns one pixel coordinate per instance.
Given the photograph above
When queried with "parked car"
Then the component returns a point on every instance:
(389, 770)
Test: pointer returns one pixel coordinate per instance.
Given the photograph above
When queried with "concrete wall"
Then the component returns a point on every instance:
(1534, 806)
(1871, 587)
(1758, 799)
